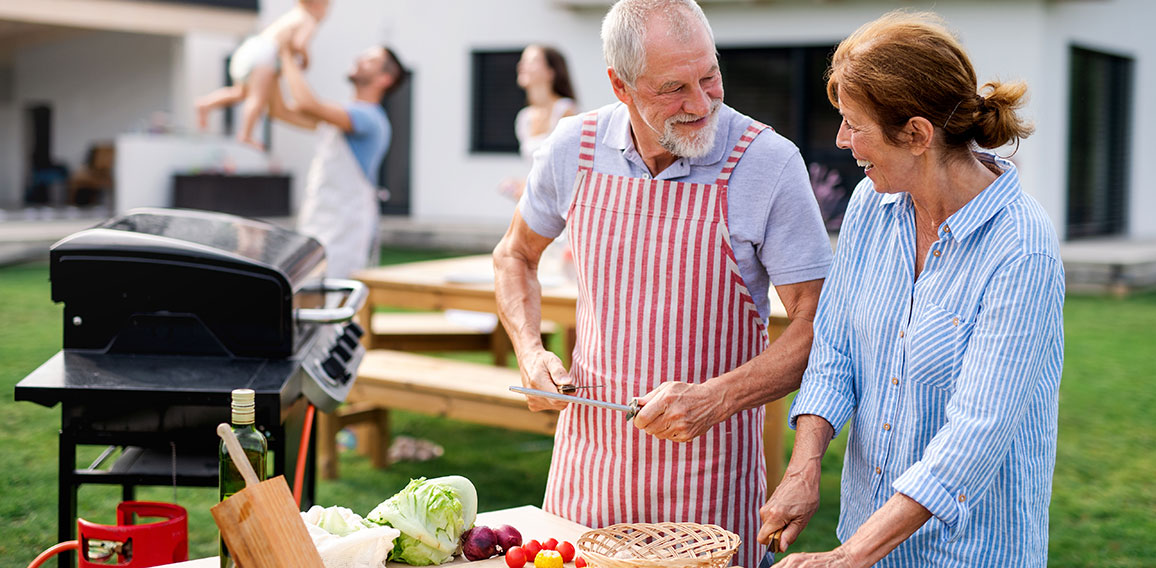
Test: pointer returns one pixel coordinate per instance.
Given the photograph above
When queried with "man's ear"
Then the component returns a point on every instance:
(619, 87)
(918, 131)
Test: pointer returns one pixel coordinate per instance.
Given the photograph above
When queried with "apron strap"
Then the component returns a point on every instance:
(586, 143)
(745, 140)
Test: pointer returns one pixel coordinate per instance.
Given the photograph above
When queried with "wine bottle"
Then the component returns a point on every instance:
(255, 447)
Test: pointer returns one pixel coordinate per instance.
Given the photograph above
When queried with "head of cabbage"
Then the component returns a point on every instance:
(431, 514)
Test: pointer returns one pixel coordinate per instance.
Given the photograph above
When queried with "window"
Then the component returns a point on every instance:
(395, 171)
(784, 87)
(1098, 143)
(497, 100)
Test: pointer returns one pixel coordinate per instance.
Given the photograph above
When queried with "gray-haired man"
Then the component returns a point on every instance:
(680, 213)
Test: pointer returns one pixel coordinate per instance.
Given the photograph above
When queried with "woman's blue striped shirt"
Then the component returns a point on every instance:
(952, 379)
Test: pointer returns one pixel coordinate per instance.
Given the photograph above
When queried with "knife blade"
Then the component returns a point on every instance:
(571, 389)
(630, 409)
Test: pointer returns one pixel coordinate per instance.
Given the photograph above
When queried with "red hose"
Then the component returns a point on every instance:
(302, 452)
(57, 549)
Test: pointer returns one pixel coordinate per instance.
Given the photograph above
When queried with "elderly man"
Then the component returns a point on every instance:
(340, 208)
(680, 213)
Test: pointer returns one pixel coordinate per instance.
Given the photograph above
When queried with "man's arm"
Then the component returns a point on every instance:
(519, 297)
(306, 102)
(681, 411)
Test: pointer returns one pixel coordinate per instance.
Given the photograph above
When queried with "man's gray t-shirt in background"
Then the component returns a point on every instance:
(776, 231)
(369, 140)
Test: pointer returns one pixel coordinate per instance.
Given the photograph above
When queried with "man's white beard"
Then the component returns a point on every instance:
(695, 145)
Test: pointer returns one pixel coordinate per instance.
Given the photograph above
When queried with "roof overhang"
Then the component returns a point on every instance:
(167, 18)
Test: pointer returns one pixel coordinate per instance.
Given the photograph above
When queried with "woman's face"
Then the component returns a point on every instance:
(533, 68)
(889, 166)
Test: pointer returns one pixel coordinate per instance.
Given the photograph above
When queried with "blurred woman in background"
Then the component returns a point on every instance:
(543, 74)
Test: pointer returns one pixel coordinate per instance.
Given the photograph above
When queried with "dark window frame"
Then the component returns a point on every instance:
(797, 109)
(1100, 110)
(495, 100)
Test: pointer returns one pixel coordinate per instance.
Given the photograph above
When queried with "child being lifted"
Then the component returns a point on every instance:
(254, 68)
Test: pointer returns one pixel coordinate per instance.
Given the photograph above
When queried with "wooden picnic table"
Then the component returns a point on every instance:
(467, 283)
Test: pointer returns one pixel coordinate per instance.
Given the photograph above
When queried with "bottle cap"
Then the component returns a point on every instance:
(244, 406)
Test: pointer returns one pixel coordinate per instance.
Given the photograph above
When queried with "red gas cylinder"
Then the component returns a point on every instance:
(136, 545)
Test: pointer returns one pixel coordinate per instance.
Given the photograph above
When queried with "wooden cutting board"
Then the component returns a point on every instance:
(532, 522)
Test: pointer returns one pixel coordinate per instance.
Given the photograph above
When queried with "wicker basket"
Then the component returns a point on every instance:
(666, 545)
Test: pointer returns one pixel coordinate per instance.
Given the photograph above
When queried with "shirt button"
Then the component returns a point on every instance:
(935, 253)
(955, 321)
(962, 498)
(886, 426)
(647, 176)
(901, 334)
(878, 470)
(946, 229)
(894, 380)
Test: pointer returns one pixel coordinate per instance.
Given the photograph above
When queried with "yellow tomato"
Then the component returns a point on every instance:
(548, 559)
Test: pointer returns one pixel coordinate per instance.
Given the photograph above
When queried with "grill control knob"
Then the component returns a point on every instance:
(355, 330)
(341, 353)
(348, 341)
(334, 368)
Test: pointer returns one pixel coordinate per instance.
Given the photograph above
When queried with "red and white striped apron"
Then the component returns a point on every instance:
(660, 299)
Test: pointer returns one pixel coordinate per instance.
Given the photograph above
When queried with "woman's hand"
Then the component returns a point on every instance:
(833, 559)
(543, 370)
(792, 505)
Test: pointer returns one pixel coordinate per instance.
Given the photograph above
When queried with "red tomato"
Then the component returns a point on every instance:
(532, 549)
(515, 557)
(566, 550)
(550, 544)
(579, 562)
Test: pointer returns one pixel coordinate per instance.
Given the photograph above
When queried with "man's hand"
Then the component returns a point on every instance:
(543, 370)
(680, 412)
(791, 506)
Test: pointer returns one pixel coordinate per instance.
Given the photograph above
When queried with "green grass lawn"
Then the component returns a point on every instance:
(1103, 507)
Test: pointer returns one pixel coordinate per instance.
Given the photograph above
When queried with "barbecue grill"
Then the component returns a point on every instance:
(165, 313)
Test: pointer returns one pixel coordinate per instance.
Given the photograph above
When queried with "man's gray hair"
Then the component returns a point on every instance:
(624, 31)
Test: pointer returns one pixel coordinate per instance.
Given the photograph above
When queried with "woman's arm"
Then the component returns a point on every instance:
(892, 524)
(796, 498)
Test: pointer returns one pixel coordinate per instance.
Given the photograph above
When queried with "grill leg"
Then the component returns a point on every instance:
(66, 491)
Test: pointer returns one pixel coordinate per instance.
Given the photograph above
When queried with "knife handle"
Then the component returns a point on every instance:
(634, 406)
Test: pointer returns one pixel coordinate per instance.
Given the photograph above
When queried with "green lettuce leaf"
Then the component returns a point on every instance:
(431, 515)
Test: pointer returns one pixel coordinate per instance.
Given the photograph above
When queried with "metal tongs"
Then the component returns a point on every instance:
(772, 548)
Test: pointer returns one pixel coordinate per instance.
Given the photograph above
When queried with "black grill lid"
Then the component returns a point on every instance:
(184, 282)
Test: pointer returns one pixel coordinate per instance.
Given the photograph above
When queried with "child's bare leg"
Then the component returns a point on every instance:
(289, 114)
(261, 81)
(222, 97)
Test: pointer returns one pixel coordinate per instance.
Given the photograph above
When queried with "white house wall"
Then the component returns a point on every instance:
(1018, 39)
(99, 84)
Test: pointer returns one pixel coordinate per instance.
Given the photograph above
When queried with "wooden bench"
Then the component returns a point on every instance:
(389, 379)
(435, 331)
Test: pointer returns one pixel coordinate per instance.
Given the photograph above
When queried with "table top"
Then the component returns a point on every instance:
(467, 282)
(532, 522)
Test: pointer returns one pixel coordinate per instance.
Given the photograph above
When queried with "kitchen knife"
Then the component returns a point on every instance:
(769, 556)
(630, 409)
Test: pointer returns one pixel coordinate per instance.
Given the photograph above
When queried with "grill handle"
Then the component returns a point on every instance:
(341, 314)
